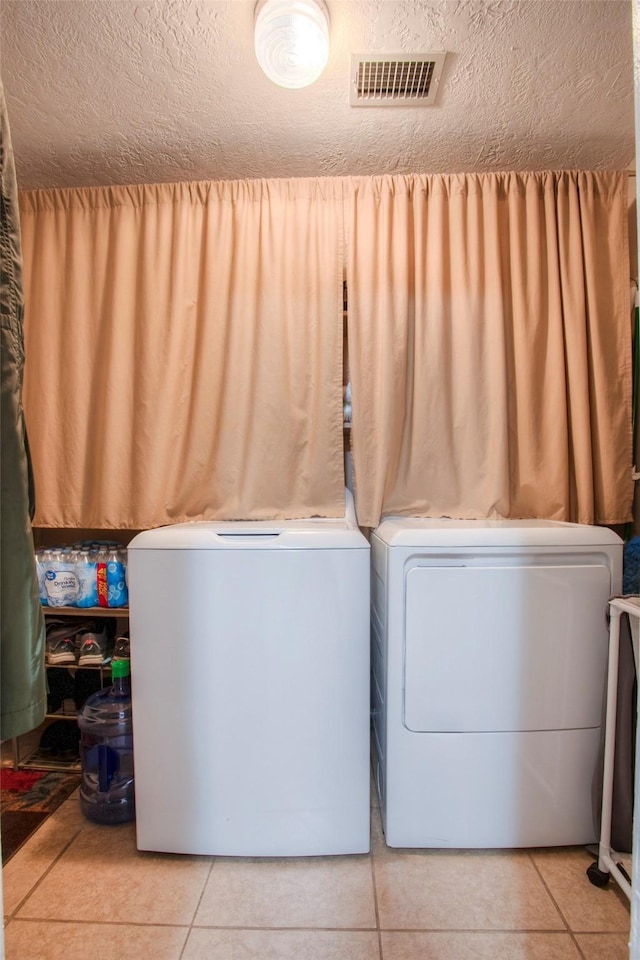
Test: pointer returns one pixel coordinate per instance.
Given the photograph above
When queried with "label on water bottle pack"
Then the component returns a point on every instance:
(101, 581)
(61, 587)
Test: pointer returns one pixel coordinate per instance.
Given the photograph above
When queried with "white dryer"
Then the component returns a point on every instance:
(250, 675)
(489, 651)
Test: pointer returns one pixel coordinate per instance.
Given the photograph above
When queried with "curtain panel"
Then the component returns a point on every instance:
(184, 346)
(23, 690)
(489, 346)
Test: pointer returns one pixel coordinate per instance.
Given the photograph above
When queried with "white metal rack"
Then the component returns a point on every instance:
(608, 863)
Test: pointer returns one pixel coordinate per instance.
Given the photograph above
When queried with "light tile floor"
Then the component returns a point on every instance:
(77, 890)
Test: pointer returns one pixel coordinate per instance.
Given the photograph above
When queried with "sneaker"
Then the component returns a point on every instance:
(60, 645)
(60, 741)
(122, 649)
(85, 683)
(61, 685)
(93, 649)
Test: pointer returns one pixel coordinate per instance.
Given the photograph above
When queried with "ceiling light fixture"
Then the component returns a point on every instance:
(292, 40)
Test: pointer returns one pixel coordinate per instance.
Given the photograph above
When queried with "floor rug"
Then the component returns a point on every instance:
(28, 798)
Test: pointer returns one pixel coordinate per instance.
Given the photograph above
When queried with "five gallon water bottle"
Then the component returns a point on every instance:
(106, 751)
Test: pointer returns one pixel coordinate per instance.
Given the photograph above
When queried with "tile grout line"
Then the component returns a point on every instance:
(20, 905)
(557, 906)
(282, 929)
(82, 922)
(543, 931)
(197, 907)
(375, 903)
(374, 811)
(538, 931)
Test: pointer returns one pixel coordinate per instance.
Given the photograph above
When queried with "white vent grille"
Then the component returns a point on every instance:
(395, 79)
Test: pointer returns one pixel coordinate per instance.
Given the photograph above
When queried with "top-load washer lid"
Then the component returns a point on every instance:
(427, 532)
(316, 532)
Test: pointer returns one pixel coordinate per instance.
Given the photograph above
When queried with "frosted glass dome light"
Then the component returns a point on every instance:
(292, 40)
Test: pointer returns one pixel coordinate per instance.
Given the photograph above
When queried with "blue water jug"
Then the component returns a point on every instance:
(106, 751)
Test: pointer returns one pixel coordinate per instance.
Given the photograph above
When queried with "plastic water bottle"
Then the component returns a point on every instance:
(106, 751)
(87, 576)
(116, 586)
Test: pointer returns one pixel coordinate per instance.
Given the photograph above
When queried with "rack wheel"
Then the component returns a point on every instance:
(597, 876)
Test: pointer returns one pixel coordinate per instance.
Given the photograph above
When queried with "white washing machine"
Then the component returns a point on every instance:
(250, 675)
(489, 651)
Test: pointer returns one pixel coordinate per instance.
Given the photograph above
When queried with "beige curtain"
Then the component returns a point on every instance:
(489, 346)
(184, 352)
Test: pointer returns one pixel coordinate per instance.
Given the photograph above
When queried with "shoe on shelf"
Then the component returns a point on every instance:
(60, 645)
(94, 649)
(86, 682)
(122, 649)
(60, 741)
(61, 684)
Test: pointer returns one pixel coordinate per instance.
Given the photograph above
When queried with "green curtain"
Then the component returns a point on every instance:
(22, 638)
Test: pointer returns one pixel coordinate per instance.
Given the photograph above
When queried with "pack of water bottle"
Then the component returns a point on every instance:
(90, 573)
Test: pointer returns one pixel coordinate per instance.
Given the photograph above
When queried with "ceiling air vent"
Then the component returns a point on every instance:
(395, 80)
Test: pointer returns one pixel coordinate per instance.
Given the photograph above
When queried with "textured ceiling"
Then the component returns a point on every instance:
(121, 91)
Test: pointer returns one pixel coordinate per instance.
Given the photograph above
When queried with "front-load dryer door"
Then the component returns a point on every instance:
(505, 648)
